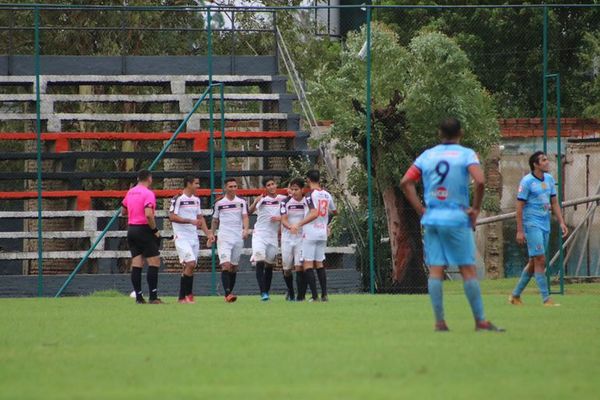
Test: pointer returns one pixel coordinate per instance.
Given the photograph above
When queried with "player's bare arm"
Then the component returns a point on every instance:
(408, 185)
(176, 218)
(479, 187)
(252, 207)
(519, 217)
(149, 211)
(204, 227)
(246, 222)
(556, 210)
(312, 215)
(285, 221)
(214, 225)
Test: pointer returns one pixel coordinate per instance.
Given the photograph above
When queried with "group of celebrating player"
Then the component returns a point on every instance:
(302, 223)
(448, 219)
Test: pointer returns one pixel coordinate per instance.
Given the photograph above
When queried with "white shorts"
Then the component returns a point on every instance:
(291, 254)
(187, 249)
(313, 250)
(264, 249)
(229, 251)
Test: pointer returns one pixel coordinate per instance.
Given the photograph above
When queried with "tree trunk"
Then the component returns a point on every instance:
(404, 229)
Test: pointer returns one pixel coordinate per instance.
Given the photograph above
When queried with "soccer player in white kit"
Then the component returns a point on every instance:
(292, 212)
(265, 235)
(315, 231)
(231, 217)
(186, 217)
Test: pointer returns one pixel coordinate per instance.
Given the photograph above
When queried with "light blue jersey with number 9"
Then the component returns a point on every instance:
(445, 174)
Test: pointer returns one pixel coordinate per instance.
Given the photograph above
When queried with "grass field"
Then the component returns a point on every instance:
(354, 347)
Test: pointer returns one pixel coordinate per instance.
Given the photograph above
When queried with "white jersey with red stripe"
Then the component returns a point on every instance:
(266, 208)
(230, 214)
(322, 201)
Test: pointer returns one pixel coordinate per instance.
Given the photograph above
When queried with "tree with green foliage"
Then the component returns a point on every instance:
(504, 46)
(413, 88)
(590, 67)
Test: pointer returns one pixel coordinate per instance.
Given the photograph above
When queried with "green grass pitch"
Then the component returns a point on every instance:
(354, 347)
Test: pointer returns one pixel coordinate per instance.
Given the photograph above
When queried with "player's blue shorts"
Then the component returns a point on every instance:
(446, 245)
(537, 240)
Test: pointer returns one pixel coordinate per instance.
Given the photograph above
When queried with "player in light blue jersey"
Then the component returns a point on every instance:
(535, 199)
(447, 218)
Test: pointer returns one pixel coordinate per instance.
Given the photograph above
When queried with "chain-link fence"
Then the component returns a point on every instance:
(357, 90)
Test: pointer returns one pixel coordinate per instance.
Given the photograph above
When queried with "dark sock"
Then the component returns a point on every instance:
(182, 287)
(322, 281)
(232, 280)
(289, 282)
(301, 284)
(190, 285)
(268, 278)
(260, 276)
(309, 274)
(136, 281)
(226, 281)
(152, 278)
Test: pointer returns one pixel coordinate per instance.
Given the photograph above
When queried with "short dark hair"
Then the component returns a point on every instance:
(534, 159)
(188, 179)
(450, 128)
(230, 179)
(143, 175)
(298, 182)
(268, 179)
(314, 175)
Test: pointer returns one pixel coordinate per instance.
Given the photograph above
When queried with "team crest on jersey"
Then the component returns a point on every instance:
(441, 193)
(544, 186)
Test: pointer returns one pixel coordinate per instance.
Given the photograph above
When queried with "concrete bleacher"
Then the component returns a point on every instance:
(258, 110)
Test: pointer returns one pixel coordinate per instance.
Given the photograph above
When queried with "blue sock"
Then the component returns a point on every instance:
(473, 293)
(542, 283)
(525, 278)
(434, 286)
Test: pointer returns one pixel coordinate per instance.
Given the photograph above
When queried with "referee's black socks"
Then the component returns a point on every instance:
(152, 278)
(136, 281)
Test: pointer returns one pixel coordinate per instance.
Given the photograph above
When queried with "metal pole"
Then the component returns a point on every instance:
(369, 177)
(223, 143)
(560, 185)
(159, 157)
(544, 82)
(38, 131)
(213, 259)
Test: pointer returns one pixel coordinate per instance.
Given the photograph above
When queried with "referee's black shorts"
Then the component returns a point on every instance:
(142, 241)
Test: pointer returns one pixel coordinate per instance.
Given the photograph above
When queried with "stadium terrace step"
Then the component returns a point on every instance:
(142, 155)
(200, 138)
(84, 197)
(140, 79)
(143, 117)
(131, 175)
(139, 98)
(115, 254)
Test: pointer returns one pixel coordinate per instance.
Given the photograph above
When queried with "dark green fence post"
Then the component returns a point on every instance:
(368, 150)
(38, 131)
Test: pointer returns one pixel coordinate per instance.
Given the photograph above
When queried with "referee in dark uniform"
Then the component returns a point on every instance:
(143, 237)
